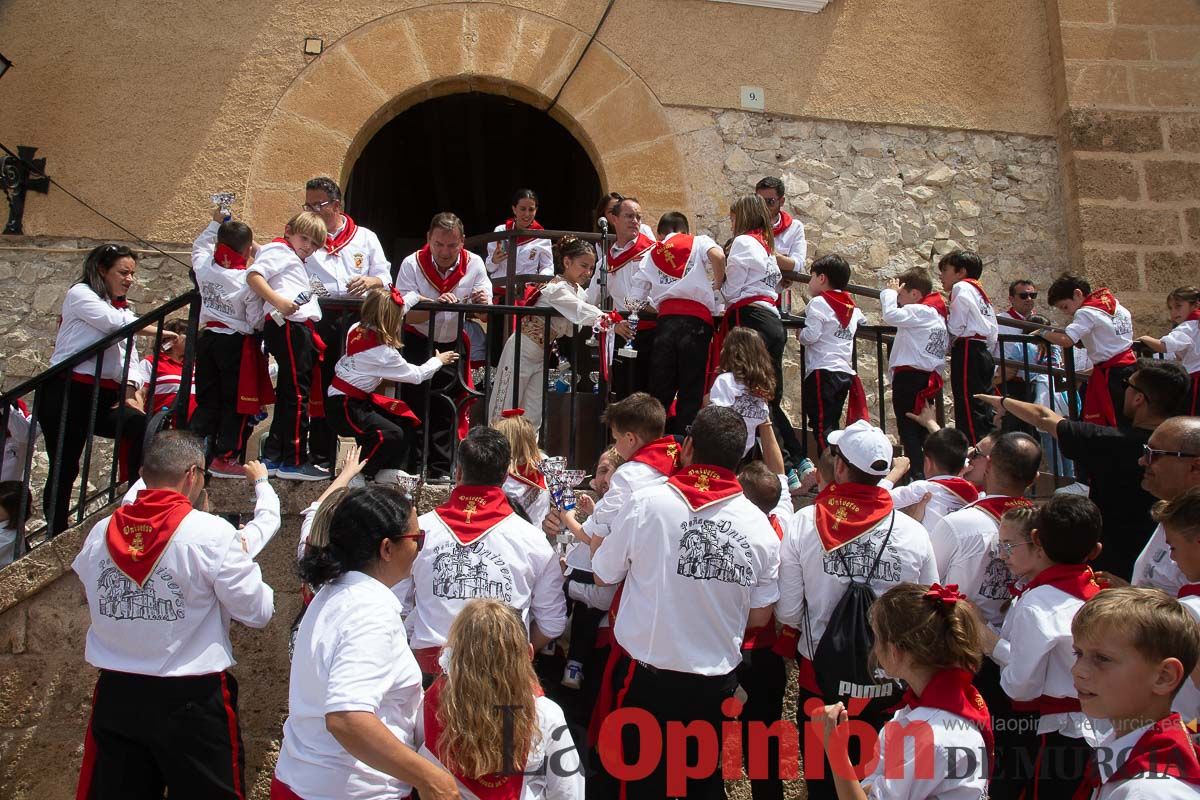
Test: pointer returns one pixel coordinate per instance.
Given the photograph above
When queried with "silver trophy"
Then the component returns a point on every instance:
(594, 339)
(225, 201)
(634, 305)
(561, 483)
(408, 484)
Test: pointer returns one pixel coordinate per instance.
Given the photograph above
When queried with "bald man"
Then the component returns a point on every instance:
(1172, 465)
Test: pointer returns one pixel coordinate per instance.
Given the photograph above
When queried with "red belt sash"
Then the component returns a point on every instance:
(718, 340)
(933, 388)
(254, 378)
(1097, 403)
(684, 308)
(427, 659)
(762, 637)
(90, 380)
(392, 405)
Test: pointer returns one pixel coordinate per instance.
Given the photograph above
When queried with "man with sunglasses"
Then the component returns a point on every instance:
(791, 248)
(1112, 457)
(1172, 462)
(1022, 296)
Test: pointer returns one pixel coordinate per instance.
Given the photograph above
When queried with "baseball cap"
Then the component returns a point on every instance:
(864, 446)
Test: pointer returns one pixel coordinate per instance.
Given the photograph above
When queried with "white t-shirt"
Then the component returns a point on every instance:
(413, 283)
(921, 340)
(1184, 343)
(255, 534)
(620, 280)
(942, 501)
(728, 391)
(959, 759)
(1155, 567)
(552, 771)
(1036, 653)
(691, 578)
(696, 283)
(534, 257)
(971, 314)
(366, 369)
(1146, 786)
(284, 272)
(86, 319)
(809, 575)
(790, 242)
(625, 480)
(1103, 336)
(750, 271)
(351, 654)
(828, 345)
(177, 622)
(965, 545)
(362, 257)
(224, 297)
(511, 562)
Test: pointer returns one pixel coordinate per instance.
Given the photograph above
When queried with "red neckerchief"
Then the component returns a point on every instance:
(1189, 590)
(671, 256)
(785, 222)
(472, 511)
(1012, 312)
(1164, 749)
(1102, 299)
(117, 302)
(995, 506)
(334, 244)
(283, 241)
(959, 486)
(530, 476)
(757, 235)
(1076, 580)
(1192, 317)
(139, 533)
(842, 304)
(225, 256)
(701, 485)
(501, 786)
(446, 284)
(640, 245)
(361, 338)
(935, 300)
(979, 288)
(511, 223)
(845, 511)
(662, 454)
(952, 690)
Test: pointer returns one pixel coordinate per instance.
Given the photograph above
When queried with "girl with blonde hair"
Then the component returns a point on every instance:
(525, 485)
(574, 261)
(383, 426)
(486, 720)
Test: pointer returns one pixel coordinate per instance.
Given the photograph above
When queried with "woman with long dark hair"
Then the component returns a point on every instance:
(533, 255)
(355, 688)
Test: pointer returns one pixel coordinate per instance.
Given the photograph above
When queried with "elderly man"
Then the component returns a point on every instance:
(1171, 459)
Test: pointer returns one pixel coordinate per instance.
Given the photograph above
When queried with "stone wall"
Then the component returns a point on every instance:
(35, 273)
(1129, 123)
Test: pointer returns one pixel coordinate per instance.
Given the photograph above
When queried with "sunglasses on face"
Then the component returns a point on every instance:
(418, 537)
(974, 453)
(1149, 453)
(1027, 295)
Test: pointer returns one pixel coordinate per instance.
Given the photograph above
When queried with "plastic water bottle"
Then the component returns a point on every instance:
(552, 379)
(565, 376)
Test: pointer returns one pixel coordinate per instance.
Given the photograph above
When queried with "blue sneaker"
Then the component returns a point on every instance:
(302, 472)
(272, 467)
(793, 479)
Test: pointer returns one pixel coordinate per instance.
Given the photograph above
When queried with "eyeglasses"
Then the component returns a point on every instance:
(974, 452)
(316, 207)
(772, 201)
(1006, 548)
(1149, 453)
(1027, 295)
(418, 537)
(1128, 384)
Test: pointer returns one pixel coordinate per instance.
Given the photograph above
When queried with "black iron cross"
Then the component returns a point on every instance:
(19, 174)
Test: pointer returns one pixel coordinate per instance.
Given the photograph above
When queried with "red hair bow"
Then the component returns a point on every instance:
(948, 595)
(397, 297)
(508, 413)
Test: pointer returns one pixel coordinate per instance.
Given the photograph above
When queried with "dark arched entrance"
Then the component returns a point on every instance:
(467, 153)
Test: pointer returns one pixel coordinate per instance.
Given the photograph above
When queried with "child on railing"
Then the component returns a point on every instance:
(382, 425)
(166, 367)
(231, 382)
(746, 381)
(279, 277)
(574, 261)
(972, 323)
(1183, 342)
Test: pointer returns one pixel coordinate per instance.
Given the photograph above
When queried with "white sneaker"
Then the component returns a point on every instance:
(573, 675)
(394, 476)
(357, 482)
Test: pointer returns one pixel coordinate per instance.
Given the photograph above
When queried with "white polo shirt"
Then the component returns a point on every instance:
(921, 339)
(284, 272)
(1103, 336)
(1155, 567)
(728, 391)
(86, 319)
(1183, 342)
(971, 314)
(330, 272)
(351, 654)
(177, 623)
(750, 271)
(691, 575)
(412, 281)
(965, 545)
(828, 345)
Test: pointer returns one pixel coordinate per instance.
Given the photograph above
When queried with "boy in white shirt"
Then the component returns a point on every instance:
(278, 276)
(1183, 342)
(1034, 648)
(830, 321)
(1180, 521)
(972, 324)
(945, 460)
(228, 319)
(1134, 648)
(1105, 328)
(918, 355)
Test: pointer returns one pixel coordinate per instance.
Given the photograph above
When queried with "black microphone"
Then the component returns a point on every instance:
(604, 225)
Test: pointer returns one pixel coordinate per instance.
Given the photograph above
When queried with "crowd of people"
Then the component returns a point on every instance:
(953, 631)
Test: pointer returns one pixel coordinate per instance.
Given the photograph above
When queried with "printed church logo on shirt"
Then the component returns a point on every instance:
(466, 572)
(118, 597)
(937, 344)
(859, 556)
(996, 579)
(750, 407)
(710, 553)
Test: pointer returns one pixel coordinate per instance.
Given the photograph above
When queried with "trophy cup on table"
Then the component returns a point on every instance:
(225, 201)
(634, 305)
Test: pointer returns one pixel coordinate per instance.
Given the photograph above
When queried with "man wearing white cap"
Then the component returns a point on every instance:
(851, 535)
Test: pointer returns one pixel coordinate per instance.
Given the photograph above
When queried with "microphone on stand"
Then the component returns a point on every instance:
(603, 221)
